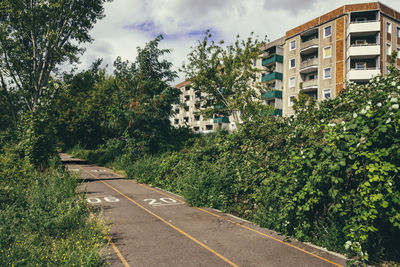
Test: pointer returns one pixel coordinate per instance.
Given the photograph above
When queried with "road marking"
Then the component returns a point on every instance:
(233, 222)
(120, 256)
(246, 227)
(165, 221)
(95, 200)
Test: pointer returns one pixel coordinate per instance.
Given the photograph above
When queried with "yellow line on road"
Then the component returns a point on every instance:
(165, 221)
(245, 227)
(119, 254)
(238, 224)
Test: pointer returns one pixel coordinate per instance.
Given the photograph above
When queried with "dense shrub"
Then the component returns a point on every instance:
(42, 220)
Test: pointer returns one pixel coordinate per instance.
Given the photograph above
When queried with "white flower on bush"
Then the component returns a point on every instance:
(354, 115)
(393, 100)
(379, 104)
(395, 106)
(363, 111)
(331, 124)
(393, 83)
(347, 245)
(388, 120)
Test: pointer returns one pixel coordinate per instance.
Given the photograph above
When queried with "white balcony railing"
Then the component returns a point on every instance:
(364, 26)
(364, 50)
(362, 74)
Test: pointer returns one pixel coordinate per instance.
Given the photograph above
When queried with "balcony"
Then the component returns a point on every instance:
(273, 59)
(364, 26)
(362, 74)
(272, 76)
(364, 50)
(272, 94)
(221, 120)
(309, 65)
(309, 46)
(310, 84)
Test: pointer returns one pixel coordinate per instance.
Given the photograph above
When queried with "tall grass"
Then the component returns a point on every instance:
(43, 222)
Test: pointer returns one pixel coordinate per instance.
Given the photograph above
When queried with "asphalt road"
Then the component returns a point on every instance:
(152, 227)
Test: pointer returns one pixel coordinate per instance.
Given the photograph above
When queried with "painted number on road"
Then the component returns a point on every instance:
(164, 201)
(95, 200)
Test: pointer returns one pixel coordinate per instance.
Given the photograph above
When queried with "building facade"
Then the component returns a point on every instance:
(188, 113)
(350, 43)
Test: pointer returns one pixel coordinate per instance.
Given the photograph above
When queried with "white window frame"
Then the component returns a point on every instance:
(323, 51)
(293, 78)
(325, 91)
(325, 29)
(330, 73)
(389, 27)
(389, 49)
(290, 45)
(290, 63)
(291, 103)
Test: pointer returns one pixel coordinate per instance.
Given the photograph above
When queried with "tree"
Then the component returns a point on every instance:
(38, 35)
(227, 77)
(148, 97)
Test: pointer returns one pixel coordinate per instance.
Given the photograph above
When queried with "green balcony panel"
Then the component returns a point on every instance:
(272, 94)
(275, 112)
(219, 106)
(275, 58)
(272, 76)
(221, 120)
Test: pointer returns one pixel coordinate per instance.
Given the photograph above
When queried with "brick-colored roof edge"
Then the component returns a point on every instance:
(184, 83)
(340, 12)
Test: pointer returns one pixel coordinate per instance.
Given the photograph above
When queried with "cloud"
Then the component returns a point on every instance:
(291, 6)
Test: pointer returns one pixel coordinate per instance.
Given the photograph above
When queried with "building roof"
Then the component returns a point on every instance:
(336, 13)
(184, 83)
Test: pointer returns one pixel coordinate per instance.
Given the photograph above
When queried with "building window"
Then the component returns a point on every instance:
(197, 117)
(292, 45)
(388, 49)
(387, 70)
(291, 100)
(196, 128)
(186, 119)
(327, 51)
(327, 31)
(398, 32)
(292, 63)
(388, 27)
(255, 62)
(326, 94)
(361, 65)
(209, 127)
(176, 121)
(292, 81)
(327, 73)
(186, 108)
(398, 53)
(177, 110)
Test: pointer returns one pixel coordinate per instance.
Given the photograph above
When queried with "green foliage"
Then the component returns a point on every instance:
(227, 77)
(42, 220)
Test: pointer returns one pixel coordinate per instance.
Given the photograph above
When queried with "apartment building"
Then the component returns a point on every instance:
(271, 64)
(351, 43)
(187, 114)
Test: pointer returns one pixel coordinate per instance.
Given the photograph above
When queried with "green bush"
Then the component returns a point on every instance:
(42, 220)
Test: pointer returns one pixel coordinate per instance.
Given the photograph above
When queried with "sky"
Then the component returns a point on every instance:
(132, 23)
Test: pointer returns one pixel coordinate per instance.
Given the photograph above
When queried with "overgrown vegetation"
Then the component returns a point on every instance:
(329, 175)
(43, 221)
